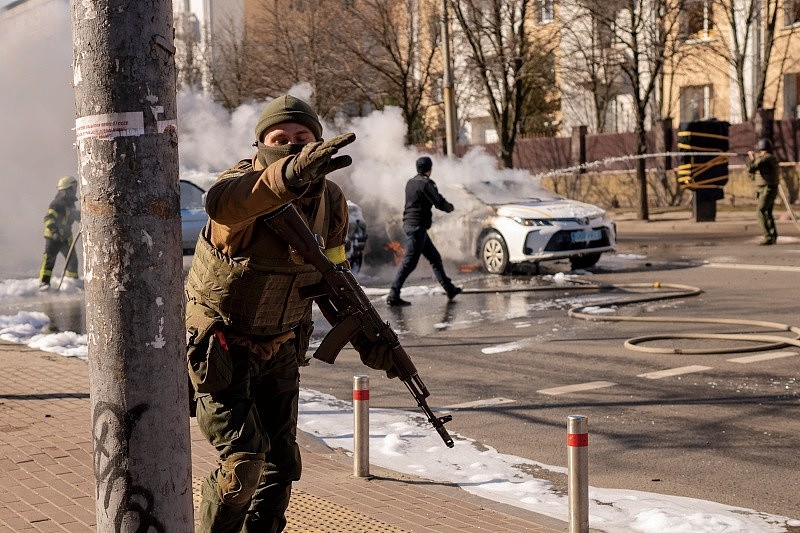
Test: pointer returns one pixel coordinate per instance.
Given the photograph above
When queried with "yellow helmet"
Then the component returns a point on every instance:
(67, 182)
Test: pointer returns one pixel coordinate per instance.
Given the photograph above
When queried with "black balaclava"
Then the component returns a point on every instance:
(267, 155)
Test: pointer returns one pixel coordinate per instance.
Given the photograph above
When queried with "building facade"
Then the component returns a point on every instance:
(723, 58)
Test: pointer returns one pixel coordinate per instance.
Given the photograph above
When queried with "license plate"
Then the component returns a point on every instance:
(585, 235)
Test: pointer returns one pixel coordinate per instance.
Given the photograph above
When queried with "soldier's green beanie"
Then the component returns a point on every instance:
(287, 108)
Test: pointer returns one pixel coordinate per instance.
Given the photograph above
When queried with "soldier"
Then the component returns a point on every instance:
(765, 164)
(247, 327)
(421, 196)
(61, 214)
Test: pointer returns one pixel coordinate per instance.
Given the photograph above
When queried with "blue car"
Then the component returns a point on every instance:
(193, 214)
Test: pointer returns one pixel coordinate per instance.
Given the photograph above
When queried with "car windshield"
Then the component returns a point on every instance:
(509, 192)
(191, 196)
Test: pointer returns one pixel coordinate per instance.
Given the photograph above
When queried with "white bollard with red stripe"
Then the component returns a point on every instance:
(578, 467)
(361, 426)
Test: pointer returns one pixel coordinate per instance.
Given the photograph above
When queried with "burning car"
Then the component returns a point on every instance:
(510, 222)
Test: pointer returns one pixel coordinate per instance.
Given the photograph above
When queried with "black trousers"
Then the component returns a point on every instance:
(419, 244)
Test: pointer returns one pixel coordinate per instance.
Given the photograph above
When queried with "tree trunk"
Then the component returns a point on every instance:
(641, 174)
(124, 75)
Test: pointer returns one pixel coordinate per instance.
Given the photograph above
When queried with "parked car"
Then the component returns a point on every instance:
(356, 236)
(510, 222)
(193, 214)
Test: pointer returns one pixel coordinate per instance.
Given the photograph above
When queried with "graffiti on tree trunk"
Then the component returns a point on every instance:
(112, 429)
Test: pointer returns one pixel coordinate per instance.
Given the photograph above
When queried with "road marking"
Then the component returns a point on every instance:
(481, 403)
(736, 266)
(762, 357)
(674, 372)
(555, 391)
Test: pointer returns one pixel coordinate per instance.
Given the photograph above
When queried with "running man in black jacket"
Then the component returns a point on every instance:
(421, 196)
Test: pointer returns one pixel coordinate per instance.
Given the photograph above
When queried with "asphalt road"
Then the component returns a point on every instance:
(500, 356)
(515, 365)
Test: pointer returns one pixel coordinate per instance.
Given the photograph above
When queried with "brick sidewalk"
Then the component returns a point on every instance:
(47, 481)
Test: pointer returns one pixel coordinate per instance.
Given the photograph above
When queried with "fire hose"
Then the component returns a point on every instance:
(785, 199)
(646, 292)
(769, 342)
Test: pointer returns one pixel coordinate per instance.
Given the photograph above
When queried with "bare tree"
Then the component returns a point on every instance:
(541, 101)
(645, 39)
(299, 41)
(744, 33)
(189, 58)
(501, 39)
(589, 67)
(400, 44)
(234, 60)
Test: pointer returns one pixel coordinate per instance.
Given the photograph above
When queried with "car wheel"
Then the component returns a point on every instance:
(584, 261)
(494, 253)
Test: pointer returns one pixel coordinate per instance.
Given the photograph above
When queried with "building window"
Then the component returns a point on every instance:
(696, 19)
(546, 13)
(792, 12)
(695, 103)
(791, 95)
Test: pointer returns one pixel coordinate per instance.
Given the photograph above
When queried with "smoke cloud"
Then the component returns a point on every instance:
(37, 111)
(38, 146)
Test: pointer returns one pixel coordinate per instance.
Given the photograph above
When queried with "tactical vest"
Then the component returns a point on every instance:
(255, 297)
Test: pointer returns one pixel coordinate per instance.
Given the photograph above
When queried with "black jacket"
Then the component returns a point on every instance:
(421, 196)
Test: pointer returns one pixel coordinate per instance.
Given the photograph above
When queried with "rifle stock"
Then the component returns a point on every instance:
(345, 306)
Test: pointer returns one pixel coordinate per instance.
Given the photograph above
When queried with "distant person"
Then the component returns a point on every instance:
(421, 196)
(61, 215)
(765, 164)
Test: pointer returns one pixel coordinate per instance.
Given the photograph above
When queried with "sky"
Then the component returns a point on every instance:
(404, 442)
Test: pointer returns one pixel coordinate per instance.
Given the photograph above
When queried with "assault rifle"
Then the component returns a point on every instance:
(345, 306)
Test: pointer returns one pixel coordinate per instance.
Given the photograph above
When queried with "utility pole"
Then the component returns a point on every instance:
(124, 78)
(450, 128)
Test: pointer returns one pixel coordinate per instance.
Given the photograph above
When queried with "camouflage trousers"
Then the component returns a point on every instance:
(766, 201)
(257, 414)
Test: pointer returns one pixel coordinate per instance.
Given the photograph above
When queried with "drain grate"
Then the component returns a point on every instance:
(309, 514)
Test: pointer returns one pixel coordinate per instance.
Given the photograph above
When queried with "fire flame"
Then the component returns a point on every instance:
(397, 251)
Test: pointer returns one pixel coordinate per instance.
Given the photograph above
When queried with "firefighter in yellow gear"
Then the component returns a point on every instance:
(62, 213)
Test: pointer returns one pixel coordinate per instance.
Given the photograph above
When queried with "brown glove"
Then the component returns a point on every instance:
(316, 160)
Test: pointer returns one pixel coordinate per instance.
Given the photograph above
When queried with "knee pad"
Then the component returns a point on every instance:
(238, 478)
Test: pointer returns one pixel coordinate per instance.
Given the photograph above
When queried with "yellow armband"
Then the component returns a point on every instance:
(336, 254)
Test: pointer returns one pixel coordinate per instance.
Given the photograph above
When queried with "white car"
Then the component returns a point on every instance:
(511, 222)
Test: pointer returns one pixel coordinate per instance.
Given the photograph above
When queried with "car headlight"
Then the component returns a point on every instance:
(532, 221)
